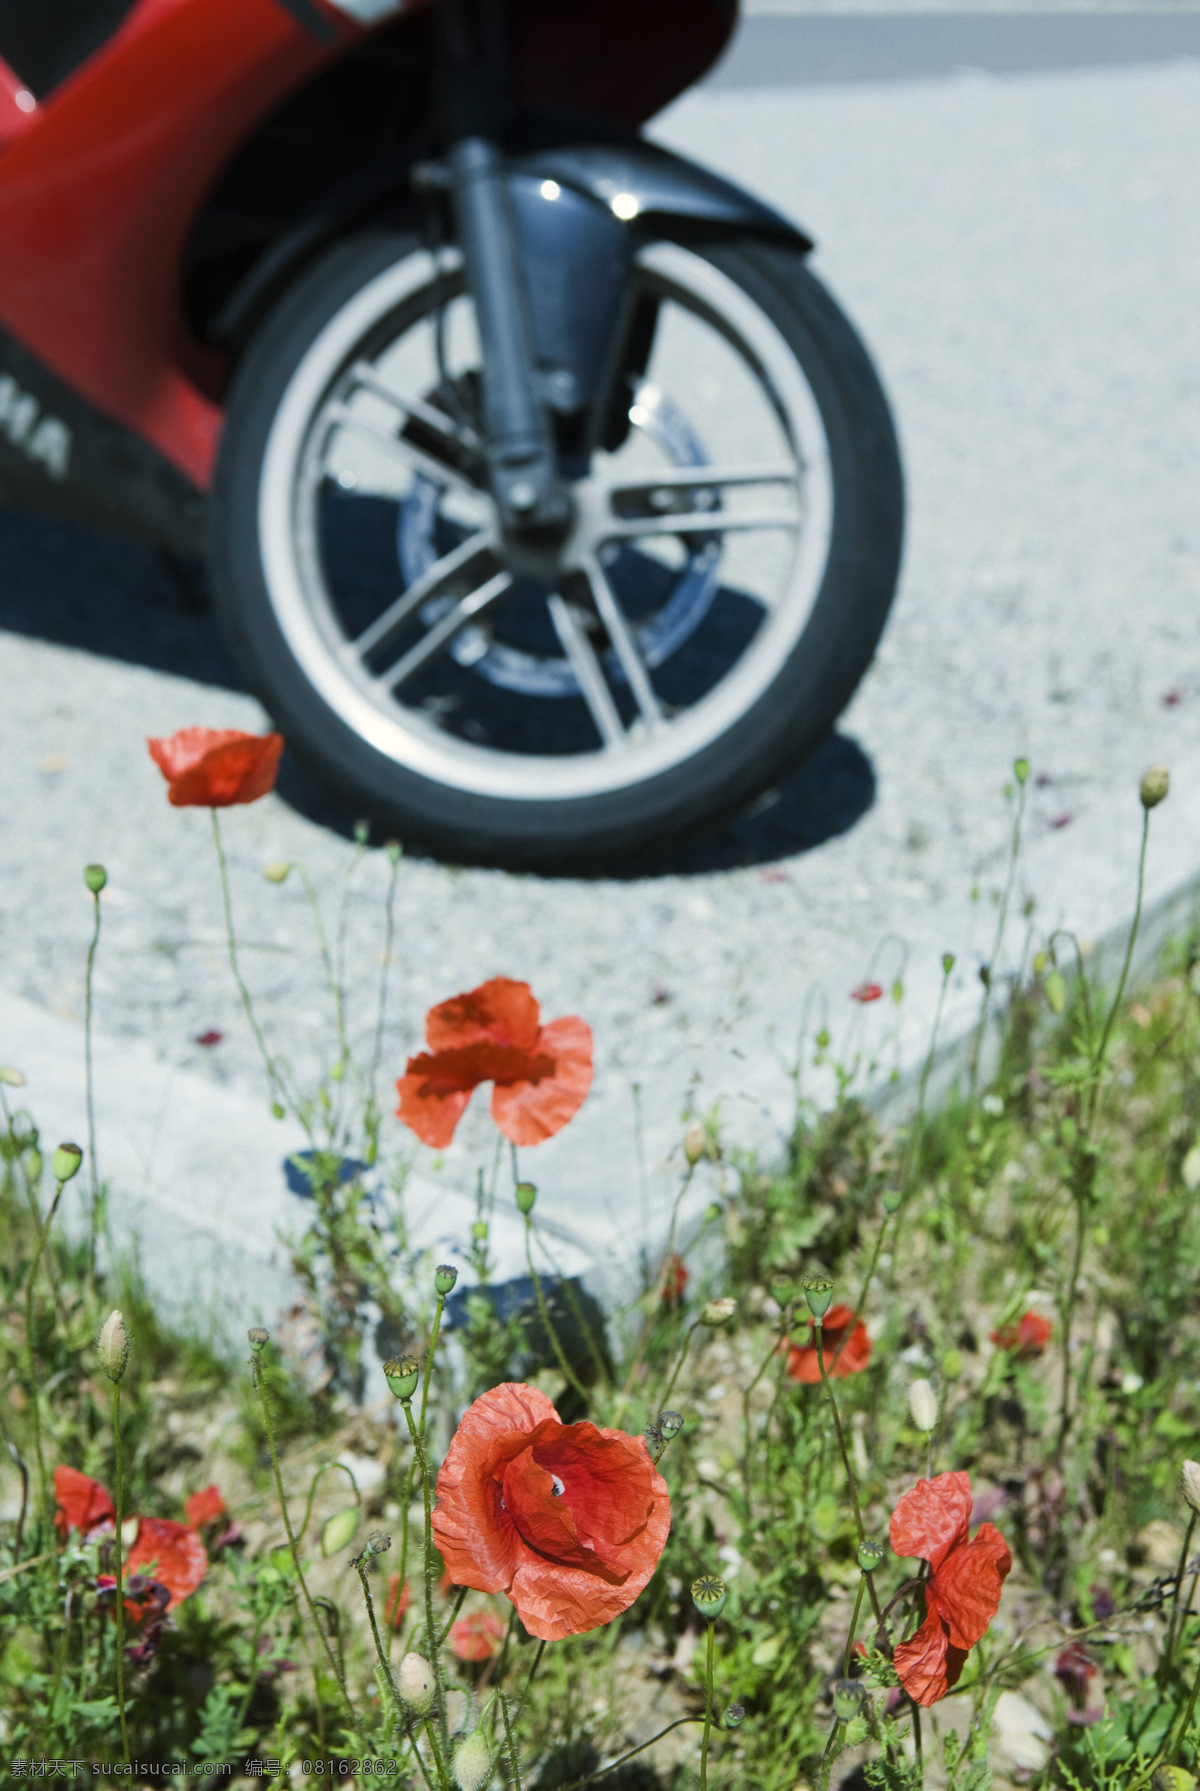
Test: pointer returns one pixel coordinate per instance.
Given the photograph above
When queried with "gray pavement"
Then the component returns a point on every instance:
(1022, 253)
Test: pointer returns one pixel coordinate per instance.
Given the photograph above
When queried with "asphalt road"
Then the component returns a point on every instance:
(1021, 251)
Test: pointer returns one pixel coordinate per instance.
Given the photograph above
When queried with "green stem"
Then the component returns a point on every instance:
(433, 1342)
(1098, 1060)
(427, 1493)
(389, 935)
(851, 1481)
(293, 1545)
(854, 1625)
(120, 1515)
(661, 1404)
(512, 1743)
(708, 1697)
(331, 977)
(644, 1339)
(34, 1389)
(592, 1778)
(917, 1744)
(1064, 1416)
(452, 1619)
(380, 1655)
(544, 1313)
(94, 1215)
(537, 1661)
(431, 1732)
(1001, 923)
(1180, 1572)
(231, 941)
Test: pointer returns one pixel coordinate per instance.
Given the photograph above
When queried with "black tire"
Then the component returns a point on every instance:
(793, 711)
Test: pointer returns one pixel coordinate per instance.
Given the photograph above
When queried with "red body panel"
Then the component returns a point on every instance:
(98, 193)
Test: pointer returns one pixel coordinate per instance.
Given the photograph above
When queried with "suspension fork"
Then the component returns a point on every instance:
(534, 502)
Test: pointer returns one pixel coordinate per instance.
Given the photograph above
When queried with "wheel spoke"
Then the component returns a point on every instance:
(626, 648)
(413, 457)
(697, 522)
(366, 376)
(444, 630)
(398, 612)
(582, 659)
(688, 478)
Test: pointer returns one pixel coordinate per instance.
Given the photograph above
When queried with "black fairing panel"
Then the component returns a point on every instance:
(44, 41)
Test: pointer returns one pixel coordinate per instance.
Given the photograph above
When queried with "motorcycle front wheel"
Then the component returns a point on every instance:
(733, 557)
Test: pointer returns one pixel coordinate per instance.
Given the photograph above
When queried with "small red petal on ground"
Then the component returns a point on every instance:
(866, 992)
(209, 1038)
(204, 1507)
(1063, 820)
(1028, 1337)
(772, 875)
(476, 1637)
(1171, 698)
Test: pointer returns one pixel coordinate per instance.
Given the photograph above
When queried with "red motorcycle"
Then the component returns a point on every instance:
(552, 507)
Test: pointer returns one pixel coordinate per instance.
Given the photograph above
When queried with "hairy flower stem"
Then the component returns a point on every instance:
(851, 1481)
(429, 1355)
(544, 1313)
(431, 1732)
(120, 1517)
(1180, 1573)
(293, 1544)
(682, 1357)
(269, 1063)
(90, 1092)
(380, 1655)
(332, 980)
(431, 1633)
(827, 1757)
(514, 1758)
(863, 1578)
(537, 1661)
(708, 1701)
(389, 938)
(1001, 923)
(35, 1402)
(659, 1288)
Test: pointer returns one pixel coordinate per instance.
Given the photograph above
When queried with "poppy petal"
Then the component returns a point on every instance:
(171, 1553)
(433, 1115)
(502, 1011)
(204, 1507)
(477, 1538)
(845, 1351)
(966, 1588)
(528, 1112)
(932, 1518)
(476, 1637)
(217, 767)
(928, 1665)
(83, 1504)
(544, 1519)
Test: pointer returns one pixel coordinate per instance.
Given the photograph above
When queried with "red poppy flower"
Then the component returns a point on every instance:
(866, 992)
(540, 1074)
(204, 1507)
(217, 767)
(476, 1637)
(962, 1594)
(398, 1600)
(845, 1347)
(170, 1553)
(1028, 1337)
(567, 1519)
(83, 1504)
(675, 1279)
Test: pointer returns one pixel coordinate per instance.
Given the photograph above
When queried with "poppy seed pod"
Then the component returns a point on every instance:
(718, 1313)
(258, 1339)
(378, 1543)
(708, 1596)
(670, 1423)
(402, 1377)
(870, 1556)
(473, 1763)
(1021, 770)
(1189, 1484)
(948, 962)
(1154, 786)
(479, 1231)
(114, 1346)
(65, 1162)
(394, 850)
(892, 1198)
(922, 1403)
(818, 1293)
(444, 1277)
(1173, 1778)
(526, 1195)
(278, 871)
(735, 1716)
(95, 877)
(695, 1142)
(416, 1684)
(848, 1696)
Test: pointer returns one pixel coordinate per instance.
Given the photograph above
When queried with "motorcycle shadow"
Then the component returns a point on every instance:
(118, 599)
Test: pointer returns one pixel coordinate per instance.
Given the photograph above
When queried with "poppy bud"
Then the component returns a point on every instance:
(258, 1339)
(114, 1346)
(1173, 1778)
(670, 1423)
(870, 1556)
(65, 1162)
(394, 850)
(1021, 770)
(362, 832)
(848, 1697)
(1189, 1484)
(735, 1716)
(922, 1403)
(718, 1313)
(11, 1078)
(95, 877)
(278, 1109)
(948, 962)
(278, 871)
(378, 1543)
(708, 1596)
(473, 1763)
(479, 1231)
(818, 1293)
(444, 1277)
(526, 1194)
(1155, 784)
(892, 1198)
(695, 1142)
(416, 1685)
(402, 1377)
